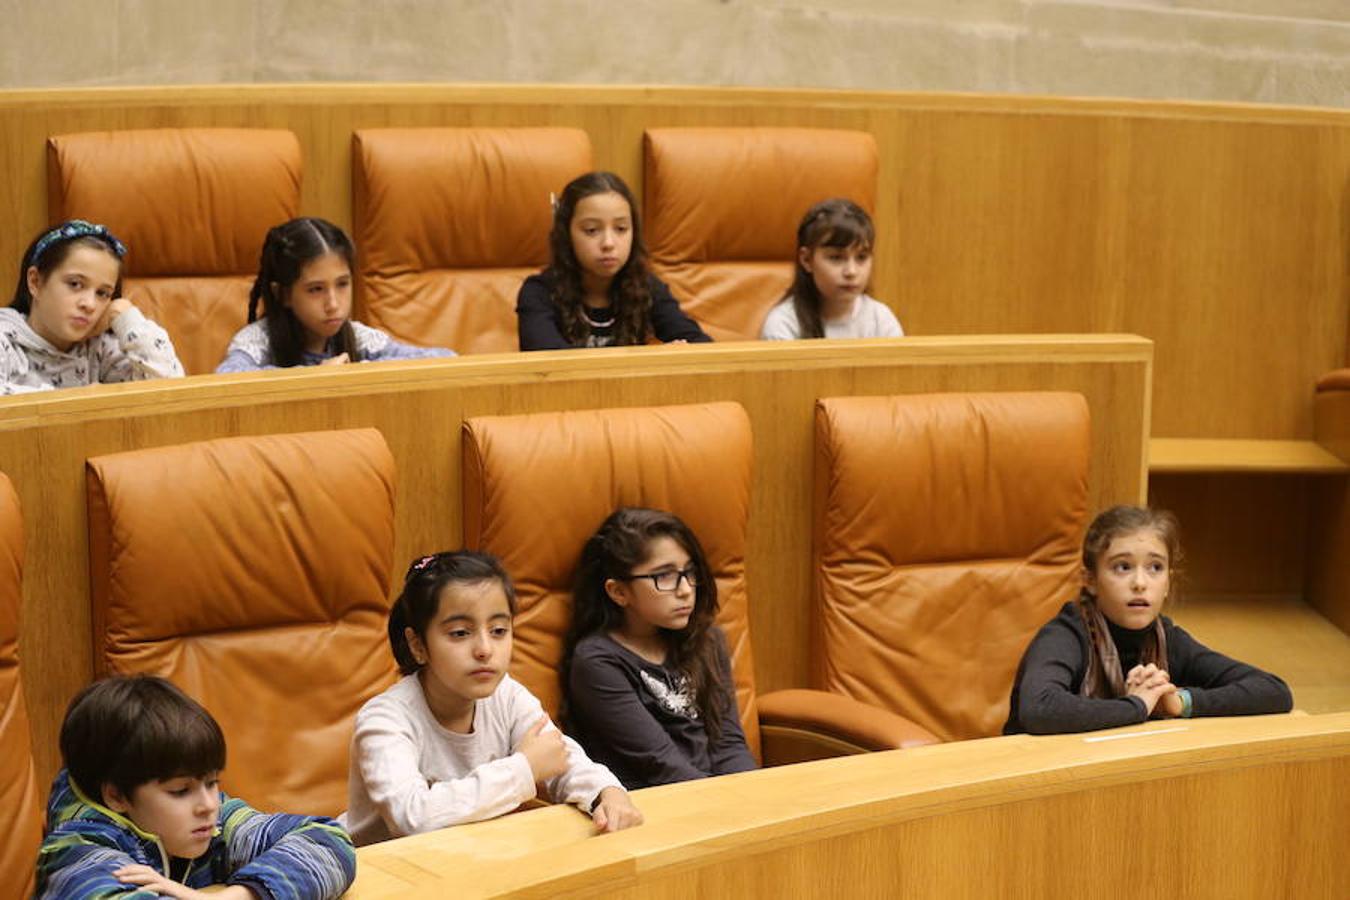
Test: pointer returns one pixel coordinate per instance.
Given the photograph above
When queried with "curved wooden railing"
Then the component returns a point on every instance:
(419, 405)
(1249, 807)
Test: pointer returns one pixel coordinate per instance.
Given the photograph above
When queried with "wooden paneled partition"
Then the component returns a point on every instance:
(1201, 808)
(1329, 577)
(418, 406)
(1217, 230)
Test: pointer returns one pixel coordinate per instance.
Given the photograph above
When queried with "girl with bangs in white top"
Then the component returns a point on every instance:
(828, 297)
(457, 739)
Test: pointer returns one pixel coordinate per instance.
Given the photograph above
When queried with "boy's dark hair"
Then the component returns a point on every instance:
(287, 249)
(416, 606)
(50, 248)
(629, 292)
(830, 223)
(128, 730)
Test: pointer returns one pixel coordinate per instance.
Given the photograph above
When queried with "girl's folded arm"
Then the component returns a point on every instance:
(729, 752)
(1222, 686)
(388, 756)
(138, 349)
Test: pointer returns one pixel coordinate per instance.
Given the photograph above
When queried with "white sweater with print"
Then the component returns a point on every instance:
(133, 349)
(409, 774)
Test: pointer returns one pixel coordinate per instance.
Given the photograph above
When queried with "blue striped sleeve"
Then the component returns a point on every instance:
(77, 865)
(283, 856)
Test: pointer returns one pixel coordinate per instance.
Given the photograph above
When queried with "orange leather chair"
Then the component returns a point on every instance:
(193, 206)
(450, 221)
(947, 531)
(20, 801)
(723, 205)
(254, 573)
(537, 486)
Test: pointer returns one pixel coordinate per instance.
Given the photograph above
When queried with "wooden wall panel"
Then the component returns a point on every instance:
(1243, 535)
(1328, 586)
(419, 406)
(1222, 232)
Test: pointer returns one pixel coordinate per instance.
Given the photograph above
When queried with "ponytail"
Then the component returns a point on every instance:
(398, 638)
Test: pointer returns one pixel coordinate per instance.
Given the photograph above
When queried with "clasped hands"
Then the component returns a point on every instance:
(1154, 686)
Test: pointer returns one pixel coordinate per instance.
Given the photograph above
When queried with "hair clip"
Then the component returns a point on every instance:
(423, 563)
(77, 228)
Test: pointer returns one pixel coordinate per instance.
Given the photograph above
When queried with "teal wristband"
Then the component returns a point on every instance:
(1187, 705)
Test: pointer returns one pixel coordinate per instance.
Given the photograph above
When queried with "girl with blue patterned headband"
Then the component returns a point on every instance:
(68, 324)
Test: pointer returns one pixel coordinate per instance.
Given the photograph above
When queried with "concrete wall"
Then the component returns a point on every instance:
(1268, 51)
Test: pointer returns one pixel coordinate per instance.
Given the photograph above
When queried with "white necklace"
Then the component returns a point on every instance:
(585, 314)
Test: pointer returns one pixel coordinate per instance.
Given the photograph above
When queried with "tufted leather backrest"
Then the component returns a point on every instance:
(20, 799)
(193, 206)
(254, 573)
(723, 205)
(537, 486)
(947, 531)
(450, 221)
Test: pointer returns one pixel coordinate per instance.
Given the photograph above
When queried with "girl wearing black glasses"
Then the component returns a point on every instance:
(646, 677)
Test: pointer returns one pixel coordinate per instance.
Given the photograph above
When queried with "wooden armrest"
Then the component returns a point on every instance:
(1335, 380)
(799, 725)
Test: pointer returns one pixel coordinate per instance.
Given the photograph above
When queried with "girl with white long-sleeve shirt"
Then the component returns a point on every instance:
(456, 739)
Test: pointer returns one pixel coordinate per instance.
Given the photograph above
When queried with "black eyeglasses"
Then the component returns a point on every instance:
(669, 582)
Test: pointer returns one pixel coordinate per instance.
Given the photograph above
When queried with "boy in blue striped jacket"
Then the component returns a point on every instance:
(138, 811)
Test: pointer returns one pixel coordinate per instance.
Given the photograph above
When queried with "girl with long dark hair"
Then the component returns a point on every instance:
(646, 673)
(598, 291)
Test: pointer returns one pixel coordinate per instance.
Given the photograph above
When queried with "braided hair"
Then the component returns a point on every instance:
(286, 251)
(1104, 678)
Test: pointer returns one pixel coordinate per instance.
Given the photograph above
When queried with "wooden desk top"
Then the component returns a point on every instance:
(551, 851)
(195, 392)
(1288, 457)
